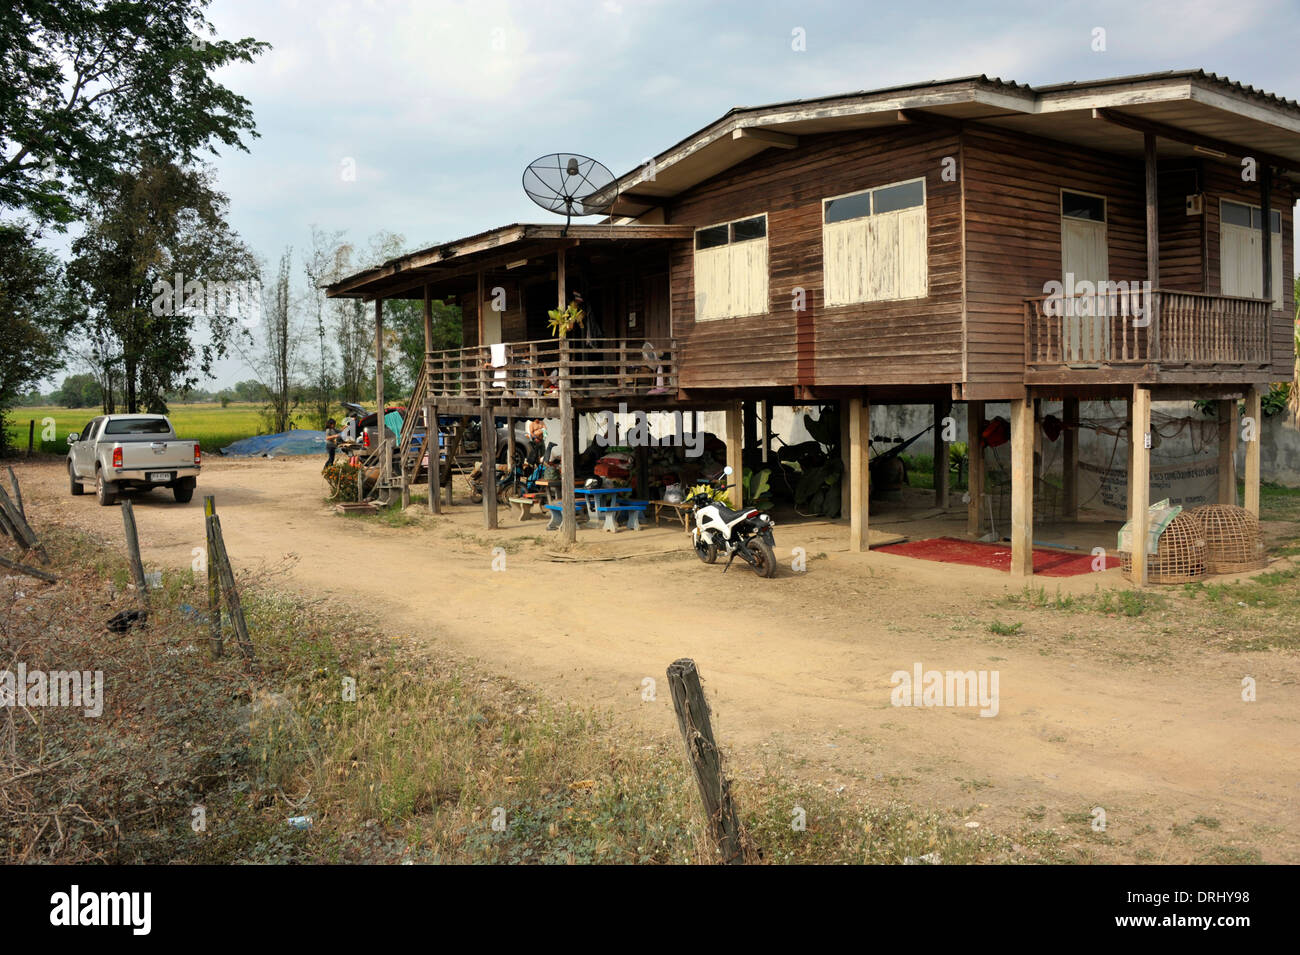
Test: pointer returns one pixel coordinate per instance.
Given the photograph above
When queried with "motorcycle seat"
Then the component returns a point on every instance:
(729, 516)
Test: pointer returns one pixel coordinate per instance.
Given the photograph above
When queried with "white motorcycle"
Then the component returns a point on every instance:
(746, 533)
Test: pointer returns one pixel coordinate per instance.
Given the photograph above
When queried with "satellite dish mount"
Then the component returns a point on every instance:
(570, 185)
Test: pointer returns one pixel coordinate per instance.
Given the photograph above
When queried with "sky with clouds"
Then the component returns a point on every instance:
(440, 105)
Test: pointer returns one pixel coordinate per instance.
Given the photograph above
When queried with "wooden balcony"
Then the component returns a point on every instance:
(1129, 335)
(531, 374)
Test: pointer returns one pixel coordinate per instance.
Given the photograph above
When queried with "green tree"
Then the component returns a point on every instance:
(80, 391)
(407, 318)
(85, 83)
(36, 313)
(157, 228)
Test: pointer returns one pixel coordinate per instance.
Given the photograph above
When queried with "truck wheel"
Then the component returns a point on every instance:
(184, 491)
(73, 484)
(105, 491)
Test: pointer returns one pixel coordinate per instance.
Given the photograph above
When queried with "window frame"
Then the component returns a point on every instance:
(729, 224)
(1279, 302)
(871, 190)
(1105, 206)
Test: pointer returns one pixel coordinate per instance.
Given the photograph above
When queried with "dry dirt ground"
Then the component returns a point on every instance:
(1143, 720)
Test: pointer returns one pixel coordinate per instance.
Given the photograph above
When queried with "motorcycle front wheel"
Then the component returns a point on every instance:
(764, 557)
(706, 551)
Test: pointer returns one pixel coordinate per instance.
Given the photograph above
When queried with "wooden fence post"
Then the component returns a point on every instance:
(702, 751)
(25, 536)
(31, 435)
(214, 580)
(18, 494)
(133, 552)
(227, 575)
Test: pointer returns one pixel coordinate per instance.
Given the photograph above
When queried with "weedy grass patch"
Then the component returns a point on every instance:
(395, 751)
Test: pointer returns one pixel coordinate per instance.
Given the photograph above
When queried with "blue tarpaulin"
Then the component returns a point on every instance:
(275, 445)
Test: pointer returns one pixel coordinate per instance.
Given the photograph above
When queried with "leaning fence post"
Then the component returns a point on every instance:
(18, 494)
(26, 537)
(133, 553)
(214, 580)
(702, 751)
(232, 593)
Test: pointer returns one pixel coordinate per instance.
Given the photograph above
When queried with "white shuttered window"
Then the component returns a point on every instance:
(874, 245)
(1241, 262)
(731, 269)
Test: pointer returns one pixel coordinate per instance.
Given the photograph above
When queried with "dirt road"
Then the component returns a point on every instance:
(1141, 720)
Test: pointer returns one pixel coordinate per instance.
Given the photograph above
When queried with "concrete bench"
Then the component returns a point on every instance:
(557, 512)
(633, 510)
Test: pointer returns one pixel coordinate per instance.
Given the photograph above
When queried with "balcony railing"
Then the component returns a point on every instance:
(532, 371)
(1133, 327)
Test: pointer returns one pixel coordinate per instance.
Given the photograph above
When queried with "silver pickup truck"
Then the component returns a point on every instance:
(136, 452)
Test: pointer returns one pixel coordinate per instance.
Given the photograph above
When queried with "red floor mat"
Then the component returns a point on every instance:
(952, 550)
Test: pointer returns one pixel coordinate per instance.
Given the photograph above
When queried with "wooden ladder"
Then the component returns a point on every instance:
(409, 453)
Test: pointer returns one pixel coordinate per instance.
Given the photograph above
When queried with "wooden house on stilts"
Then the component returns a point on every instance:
(955, 242)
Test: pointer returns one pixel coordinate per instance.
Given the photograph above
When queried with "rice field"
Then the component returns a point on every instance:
(210, 424)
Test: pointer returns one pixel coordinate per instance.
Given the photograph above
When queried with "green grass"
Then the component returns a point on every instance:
(210, 424)
(1127, 603)
(1277, 503)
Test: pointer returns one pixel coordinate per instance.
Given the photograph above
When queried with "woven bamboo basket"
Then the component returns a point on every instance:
(1180, 557)
(1232, 539)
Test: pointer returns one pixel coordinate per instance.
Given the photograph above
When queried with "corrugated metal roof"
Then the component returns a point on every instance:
(906, 87)
(1223, 81)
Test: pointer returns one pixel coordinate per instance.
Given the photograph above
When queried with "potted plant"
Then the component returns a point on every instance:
(565, 320)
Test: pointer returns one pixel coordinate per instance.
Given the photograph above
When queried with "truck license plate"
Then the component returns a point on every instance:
(160, 476)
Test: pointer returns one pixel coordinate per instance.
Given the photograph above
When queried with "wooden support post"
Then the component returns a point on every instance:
(859, 473)
(133, 552)
(974, 468)
(1022, 487)
(767, 430)
(31, 435)
(383, 457)
(510, 446)
(226, 574)
(560, 279)
(1070, 459)
(568, 452)
(642, 472)
(942, 413)
(735, 439)
(706, 761)
(488, 443)
(1266, 229)
(1227, 451)
(1153, 210)
(432, 447)
(1139, 482)
(749, 417)
(846, 464)
(1132, 459)
(479, 317)
(214, 580)
(1252, 428)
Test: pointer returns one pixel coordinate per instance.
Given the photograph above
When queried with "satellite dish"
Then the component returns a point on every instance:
(570, 185)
